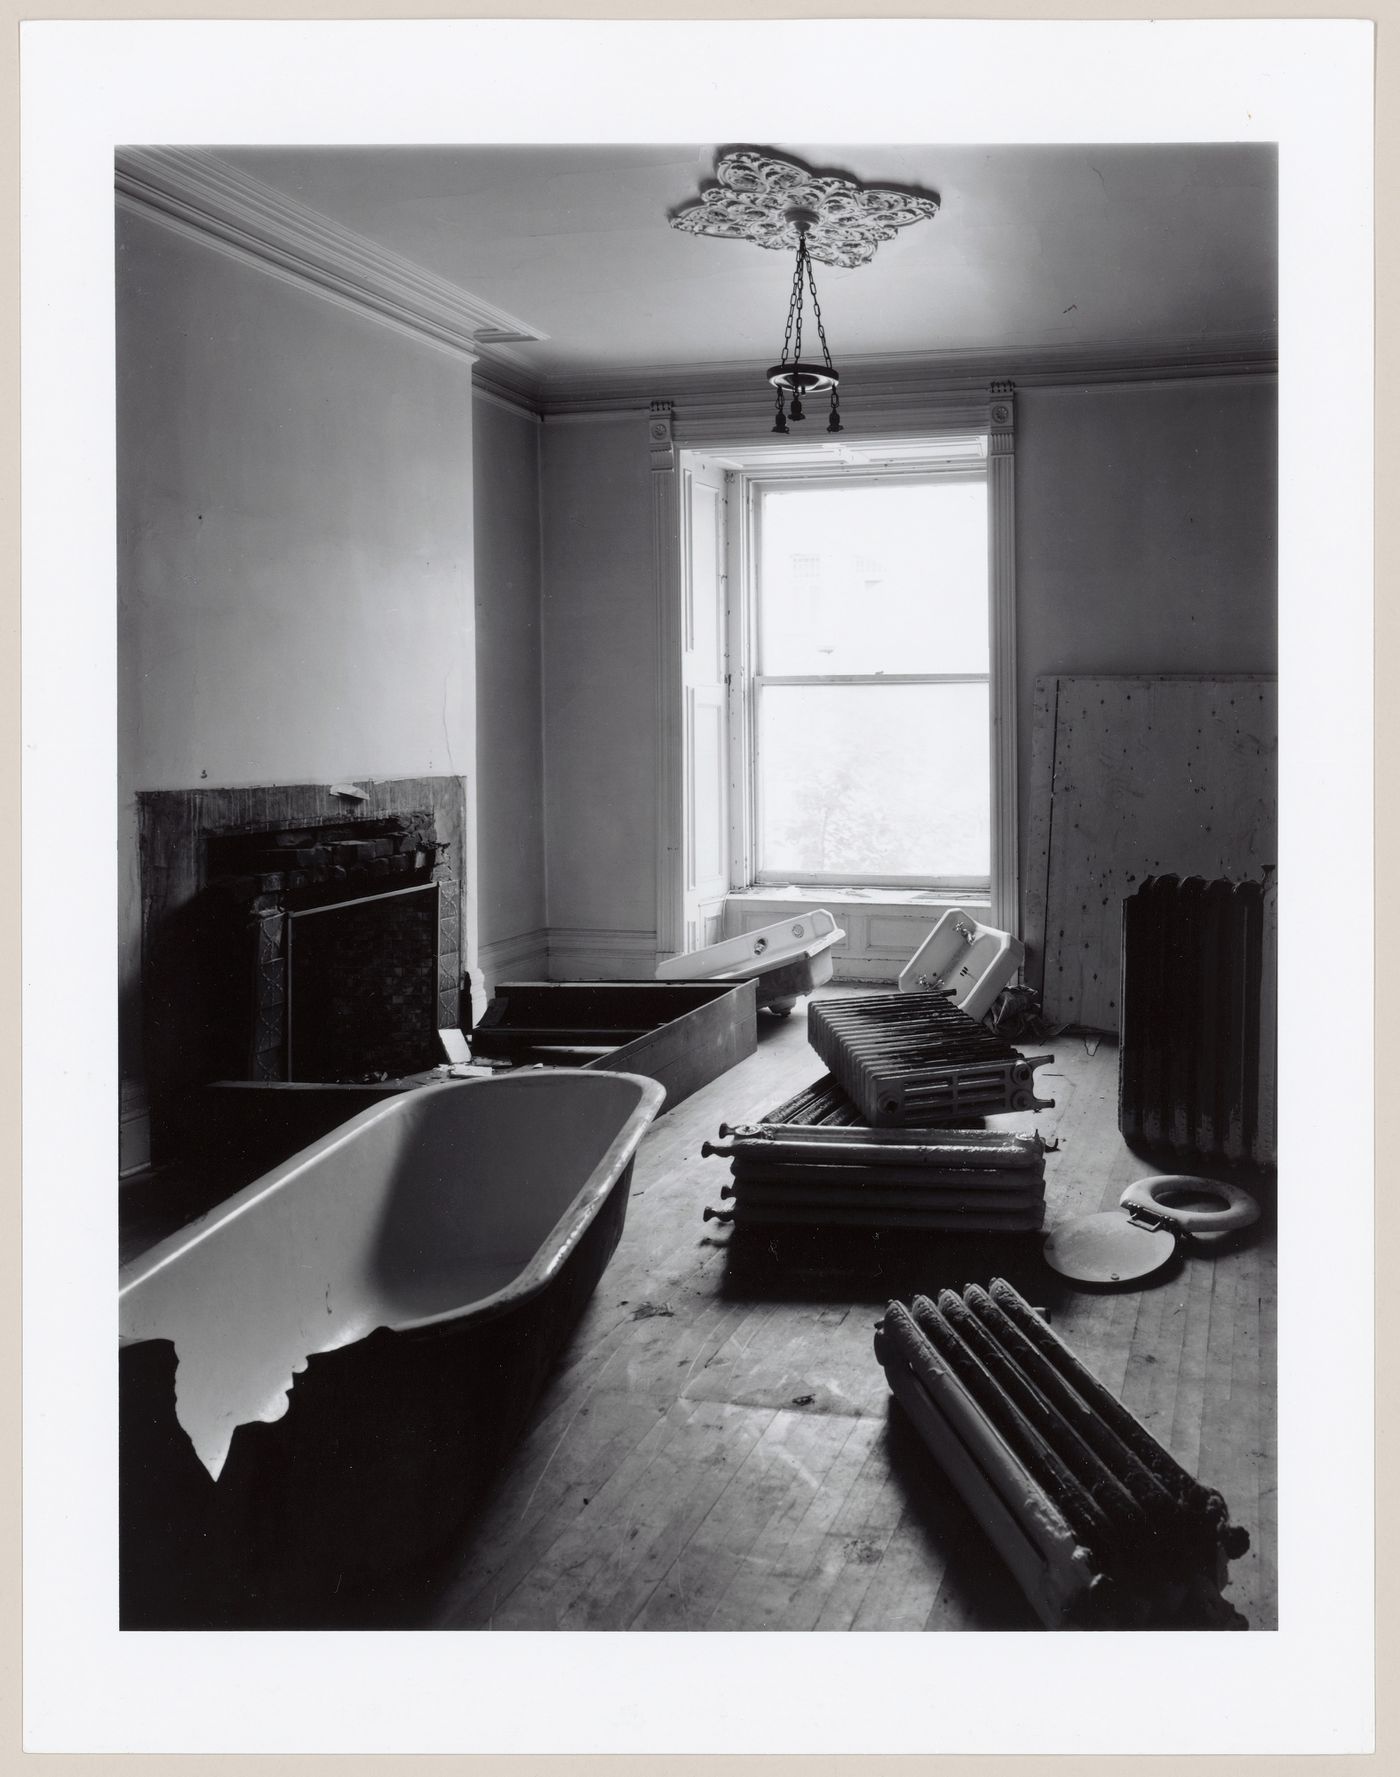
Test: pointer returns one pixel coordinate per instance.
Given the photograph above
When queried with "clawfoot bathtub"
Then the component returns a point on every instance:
(319, 1375)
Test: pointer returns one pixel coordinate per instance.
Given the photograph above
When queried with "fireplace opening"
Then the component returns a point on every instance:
(354, 927)
(362, 986)
(286, 938)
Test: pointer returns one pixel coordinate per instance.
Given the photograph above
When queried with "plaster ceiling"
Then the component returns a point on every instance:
(1095, 247)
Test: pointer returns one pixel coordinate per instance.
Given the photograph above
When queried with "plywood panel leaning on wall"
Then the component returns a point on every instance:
(1133, 777)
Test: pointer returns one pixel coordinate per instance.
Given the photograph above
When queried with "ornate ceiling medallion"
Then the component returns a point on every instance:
(757, 194)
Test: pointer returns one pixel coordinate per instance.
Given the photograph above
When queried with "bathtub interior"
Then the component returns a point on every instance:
(224, 1137)
(438, 1203)
(528, 1170)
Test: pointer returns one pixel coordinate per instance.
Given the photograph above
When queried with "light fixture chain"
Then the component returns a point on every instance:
(775, 202)
(817, 314)
(794, 309)
(797, 300)
(788, 376)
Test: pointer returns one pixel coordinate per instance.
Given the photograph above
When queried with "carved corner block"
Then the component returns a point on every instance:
(1001, 416)
(661, 439)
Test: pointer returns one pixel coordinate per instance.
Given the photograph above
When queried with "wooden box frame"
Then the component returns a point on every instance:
(682, 1033)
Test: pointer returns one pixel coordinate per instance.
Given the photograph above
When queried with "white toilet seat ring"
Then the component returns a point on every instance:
(1238, 1209)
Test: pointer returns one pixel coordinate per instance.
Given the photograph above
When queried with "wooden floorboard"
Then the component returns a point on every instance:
(1266, 1530)
(759, 1595)
(1183, 1437)
(718, 1449)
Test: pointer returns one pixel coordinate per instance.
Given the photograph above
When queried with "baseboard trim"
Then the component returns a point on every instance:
(133, 1128)
(523, 957)
(580, 953)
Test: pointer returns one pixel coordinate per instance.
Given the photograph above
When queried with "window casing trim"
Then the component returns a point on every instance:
(747, 685)
(993, 420)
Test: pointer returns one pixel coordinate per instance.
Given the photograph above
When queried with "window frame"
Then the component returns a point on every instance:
(747, 683)
(914, 425)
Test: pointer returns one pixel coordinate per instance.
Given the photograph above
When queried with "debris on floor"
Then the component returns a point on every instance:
(1017, 1013)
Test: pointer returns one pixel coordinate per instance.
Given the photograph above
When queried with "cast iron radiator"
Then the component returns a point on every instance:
(1101, 1526)
(821, 1103)
(1197, 1059)
(910, 1059)
(835, 1176)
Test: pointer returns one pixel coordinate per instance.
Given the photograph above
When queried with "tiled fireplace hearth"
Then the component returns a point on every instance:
(292, 932)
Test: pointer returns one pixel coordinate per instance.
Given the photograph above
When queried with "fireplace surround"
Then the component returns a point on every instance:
(297, 932)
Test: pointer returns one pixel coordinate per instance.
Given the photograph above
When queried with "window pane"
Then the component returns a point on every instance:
(875, 780)
(874, 578)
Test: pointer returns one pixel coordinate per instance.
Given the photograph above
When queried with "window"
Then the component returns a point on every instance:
(868, 696)
(837, 697)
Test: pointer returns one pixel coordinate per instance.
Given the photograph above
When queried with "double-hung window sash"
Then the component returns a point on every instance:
(870, 697)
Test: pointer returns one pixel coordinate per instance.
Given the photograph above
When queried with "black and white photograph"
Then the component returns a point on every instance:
(822, 759)
(698, 734)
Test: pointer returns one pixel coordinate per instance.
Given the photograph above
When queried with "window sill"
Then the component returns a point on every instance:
(826, 894)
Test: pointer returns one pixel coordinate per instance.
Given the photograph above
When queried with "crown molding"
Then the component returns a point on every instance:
(192, 191)
(875, 386)
(501, 387)
(716, 422)
(196, 193)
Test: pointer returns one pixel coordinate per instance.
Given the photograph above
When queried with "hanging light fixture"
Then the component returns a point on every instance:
(790, 376)
(783, 205)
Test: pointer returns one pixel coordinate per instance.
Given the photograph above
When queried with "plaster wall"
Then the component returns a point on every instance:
(295, 550)
(600, 696)
(509, 714)
(1146, 534)
(1146, 543)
